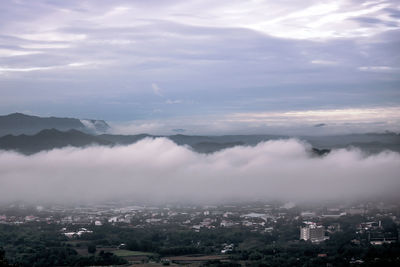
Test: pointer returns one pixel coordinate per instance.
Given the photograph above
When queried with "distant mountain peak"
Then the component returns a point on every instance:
(48, 139)
(19, 114)
(20, 123)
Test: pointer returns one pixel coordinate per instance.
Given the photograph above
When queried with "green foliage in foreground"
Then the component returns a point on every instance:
(43, 245)
(40, 244)
(127, 253)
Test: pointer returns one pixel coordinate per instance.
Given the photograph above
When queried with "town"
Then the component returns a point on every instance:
(205, 234)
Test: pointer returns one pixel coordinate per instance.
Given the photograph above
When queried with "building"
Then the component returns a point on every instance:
(379, 237)
(312, 232)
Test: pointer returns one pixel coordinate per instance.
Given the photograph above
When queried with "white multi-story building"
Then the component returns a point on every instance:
(312, 232)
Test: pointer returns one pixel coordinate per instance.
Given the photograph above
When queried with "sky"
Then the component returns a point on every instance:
(209, 67)
(159, 171)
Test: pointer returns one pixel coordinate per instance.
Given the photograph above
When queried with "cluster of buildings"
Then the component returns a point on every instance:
(376, 234)
(75, 234)
(257, 217)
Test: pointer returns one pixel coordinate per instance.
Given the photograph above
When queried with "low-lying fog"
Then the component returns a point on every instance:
(158, 170)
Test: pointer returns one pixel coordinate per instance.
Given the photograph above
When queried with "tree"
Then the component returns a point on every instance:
(91, 248)
(3, 261)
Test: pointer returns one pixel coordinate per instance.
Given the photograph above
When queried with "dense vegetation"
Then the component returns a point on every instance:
(40, 244)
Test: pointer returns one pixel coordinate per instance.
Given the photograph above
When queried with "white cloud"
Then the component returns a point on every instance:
(45, 46)
(171, 102)
(379, 69)
(294, 20)
(301, 122)
(356, 115)
(53, 36)
(158, 170)
(156, 89)
(29, 69)
(80, 64)
(137, 127)
(324, 62)
(13, 53)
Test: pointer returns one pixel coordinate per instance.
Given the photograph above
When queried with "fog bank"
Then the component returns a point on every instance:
(158, 170)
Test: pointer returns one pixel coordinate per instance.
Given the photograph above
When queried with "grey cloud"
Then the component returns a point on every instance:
(394, 13)
(219, 69)
(375, 22)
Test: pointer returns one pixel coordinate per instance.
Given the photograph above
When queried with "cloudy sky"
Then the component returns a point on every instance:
(204, 66)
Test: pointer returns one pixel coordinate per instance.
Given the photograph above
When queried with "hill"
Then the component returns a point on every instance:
(18, 123)
(49, 139)
(31, 134)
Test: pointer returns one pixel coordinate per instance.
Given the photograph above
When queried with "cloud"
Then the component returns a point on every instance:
(137, 127)
(323, 62)
(225, 56)
(5, 69)
(29, 69)
(159, 171)
(178, 130)
(374, 22)
(156, 89)
(379, 69)
(13, 53)
(295, 122)
(171, 102)
(329, 115)
(52, 37)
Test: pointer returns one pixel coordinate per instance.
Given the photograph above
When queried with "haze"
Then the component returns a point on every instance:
(159, 171)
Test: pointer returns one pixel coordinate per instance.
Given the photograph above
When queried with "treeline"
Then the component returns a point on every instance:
(41, 244)
(170, 241)
(64, 256)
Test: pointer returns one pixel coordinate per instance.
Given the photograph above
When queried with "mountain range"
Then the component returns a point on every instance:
(39, 134)
(18, 123)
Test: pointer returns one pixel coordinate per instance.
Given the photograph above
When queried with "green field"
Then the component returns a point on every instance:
(128, 253)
